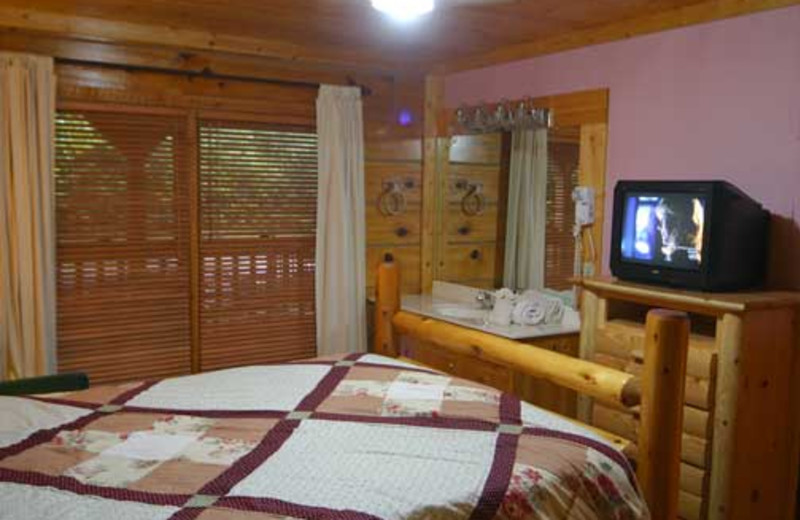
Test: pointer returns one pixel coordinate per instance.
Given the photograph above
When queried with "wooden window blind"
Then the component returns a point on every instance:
(562, 177)
(122, 266)
(258, 198)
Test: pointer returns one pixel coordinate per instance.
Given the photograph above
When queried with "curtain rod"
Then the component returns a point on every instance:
(209, 74)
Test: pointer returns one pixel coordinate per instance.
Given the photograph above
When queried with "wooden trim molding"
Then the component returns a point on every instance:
(211, 63)
(102, 30)
(592, 173)
(434, 101)
(661, 21)
(582, 107)
(195, 230)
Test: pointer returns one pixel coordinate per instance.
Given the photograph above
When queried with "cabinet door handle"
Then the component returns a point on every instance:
(464, 230)
(401, 232)
(475, 254)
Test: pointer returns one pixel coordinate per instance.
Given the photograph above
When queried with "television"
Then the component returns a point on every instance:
(703, 235)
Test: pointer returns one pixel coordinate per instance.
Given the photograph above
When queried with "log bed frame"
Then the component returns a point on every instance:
(658, 393)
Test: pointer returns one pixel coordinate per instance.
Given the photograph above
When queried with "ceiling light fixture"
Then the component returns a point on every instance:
(404, 10)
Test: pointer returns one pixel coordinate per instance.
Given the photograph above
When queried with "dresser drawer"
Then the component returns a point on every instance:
(435, 357)
(485, 372)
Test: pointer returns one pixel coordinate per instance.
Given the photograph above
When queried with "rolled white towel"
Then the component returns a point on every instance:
(529, 312)
(535, 308)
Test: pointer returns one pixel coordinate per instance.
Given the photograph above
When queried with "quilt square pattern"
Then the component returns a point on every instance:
(396, 392)
(100, 395)
(393, 468)
(359, 437)
(146, 452)
(279, 388)
(41, 502)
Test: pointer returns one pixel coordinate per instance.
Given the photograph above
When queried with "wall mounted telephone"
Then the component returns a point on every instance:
(583, 196)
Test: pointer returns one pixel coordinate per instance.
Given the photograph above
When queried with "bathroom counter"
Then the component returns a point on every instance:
(436, 307)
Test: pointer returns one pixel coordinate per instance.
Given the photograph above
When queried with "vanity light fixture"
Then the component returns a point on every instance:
(404, 10)
(503, 116)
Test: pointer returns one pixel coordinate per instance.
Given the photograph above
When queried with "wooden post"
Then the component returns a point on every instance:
(434, 100)
(663, 380)
(387, 303)
(195, 265)
(589, 319)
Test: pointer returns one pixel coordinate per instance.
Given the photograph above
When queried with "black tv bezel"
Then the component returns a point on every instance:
(636, 271)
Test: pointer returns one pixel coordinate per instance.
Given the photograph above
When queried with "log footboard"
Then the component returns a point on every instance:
(658, 392)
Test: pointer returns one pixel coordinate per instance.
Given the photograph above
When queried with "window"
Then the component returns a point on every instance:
(126, 236)
(562, 177)
(258, 204)
(122, 242)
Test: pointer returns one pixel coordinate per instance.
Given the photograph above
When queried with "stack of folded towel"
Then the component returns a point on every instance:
(529, 308)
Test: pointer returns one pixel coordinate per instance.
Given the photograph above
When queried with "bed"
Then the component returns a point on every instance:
(354, 437)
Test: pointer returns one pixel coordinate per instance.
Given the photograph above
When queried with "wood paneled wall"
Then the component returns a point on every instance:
(393, 154)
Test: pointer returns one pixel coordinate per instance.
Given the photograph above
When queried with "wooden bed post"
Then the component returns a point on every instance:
(663, 380)
(387, 303)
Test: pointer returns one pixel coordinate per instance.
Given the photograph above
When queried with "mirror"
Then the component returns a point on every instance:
(478, 180)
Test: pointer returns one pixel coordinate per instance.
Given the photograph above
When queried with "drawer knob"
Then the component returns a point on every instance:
(401, 232)
(475, 254)
(464, 230)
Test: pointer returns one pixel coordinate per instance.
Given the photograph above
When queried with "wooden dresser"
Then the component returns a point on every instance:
(541, 393)
(741, 433)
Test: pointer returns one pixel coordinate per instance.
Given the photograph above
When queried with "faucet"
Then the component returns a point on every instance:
(485, 299)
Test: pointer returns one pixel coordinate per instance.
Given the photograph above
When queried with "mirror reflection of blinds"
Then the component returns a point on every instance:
(562, 177)
(258, 197)
(122, 242)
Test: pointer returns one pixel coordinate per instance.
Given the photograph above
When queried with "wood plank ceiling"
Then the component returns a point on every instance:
(345, 31)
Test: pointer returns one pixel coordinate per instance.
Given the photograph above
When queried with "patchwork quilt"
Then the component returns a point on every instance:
(355, 437)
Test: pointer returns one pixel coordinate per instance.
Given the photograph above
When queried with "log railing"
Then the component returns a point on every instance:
(659, 391)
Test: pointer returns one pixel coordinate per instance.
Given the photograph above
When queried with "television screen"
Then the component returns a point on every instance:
(664, 229)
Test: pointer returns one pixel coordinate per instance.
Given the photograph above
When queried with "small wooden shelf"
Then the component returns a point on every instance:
(692, 301)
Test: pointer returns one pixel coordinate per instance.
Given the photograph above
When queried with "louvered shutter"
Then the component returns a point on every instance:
(122, 245)
(562, 177)
(258, 196)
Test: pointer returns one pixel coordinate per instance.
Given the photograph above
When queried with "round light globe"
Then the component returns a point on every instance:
(404, 10)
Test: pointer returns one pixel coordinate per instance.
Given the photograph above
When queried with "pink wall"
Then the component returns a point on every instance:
(713, 101)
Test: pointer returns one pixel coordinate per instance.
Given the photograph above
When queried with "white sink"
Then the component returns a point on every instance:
(461, 312)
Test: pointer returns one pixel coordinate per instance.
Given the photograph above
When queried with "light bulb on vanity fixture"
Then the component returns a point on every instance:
(404, 10)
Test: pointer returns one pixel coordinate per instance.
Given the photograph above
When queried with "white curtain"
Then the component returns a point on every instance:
(27, 236)
(341, 238)
(527, 211)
